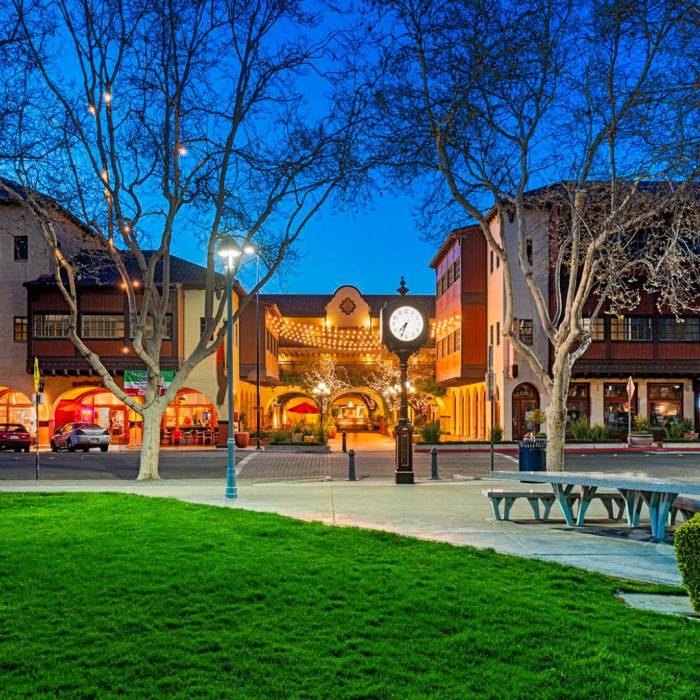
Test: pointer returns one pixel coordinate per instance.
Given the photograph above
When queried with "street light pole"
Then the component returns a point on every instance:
(231, 488)
(258, 442)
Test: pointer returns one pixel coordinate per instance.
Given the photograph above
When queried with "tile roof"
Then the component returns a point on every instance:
(99, 270)
(315, 304)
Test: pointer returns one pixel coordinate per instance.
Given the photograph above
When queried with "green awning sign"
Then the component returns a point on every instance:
(136, 380)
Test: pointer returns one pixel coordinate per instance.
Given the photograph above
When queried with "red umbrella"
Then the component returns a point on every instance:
(304, 407)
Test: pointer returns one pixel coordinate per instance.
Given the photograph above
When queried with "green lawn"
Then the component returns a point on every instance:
(113, 595)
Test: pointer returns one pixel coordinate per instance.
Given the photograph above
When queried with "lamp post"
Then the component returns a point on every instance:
(258, 442)
(230, 251)
(321, 391)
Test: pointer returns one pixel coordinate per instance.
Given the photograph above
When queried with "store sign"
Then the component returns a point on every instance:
(136, 381)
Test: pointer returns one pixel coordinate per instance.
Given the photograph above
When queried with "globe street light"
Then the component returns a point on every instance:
(230, 251)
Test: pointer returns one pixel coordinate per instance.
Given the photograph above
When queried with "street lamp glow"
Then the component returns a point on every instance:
(249, 250)
(229, 251)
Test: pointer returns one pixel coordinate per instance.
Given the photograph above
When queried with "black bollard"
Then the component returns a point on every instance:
(434, 464)
(351, 465)
(344, 441)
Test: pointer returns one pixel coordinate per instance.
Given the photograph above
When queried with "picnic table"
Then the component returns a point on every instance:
(658, 493)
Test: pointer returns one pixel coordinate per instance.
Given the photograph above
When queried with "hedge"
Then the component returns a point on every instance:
(687, 542)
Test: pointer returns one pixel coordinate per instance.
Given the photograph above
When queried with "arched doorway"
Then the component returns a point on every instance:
(525, 400)
(358, 409)
(15, 407)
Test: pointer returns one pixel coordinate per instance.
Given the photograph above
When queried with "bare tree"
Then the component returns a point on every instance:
(162, 120)
(486, 101)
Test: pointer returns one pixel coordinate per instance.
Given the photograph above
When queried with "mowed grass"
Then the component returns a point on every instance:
(106, 595)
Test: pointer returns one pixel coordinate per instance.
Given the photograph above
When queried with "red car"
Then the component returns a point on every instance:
(14, 436)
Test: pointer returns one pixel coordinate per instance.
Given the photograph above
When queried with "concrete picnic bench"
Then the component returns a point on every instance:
(659, 494)
(547, 499)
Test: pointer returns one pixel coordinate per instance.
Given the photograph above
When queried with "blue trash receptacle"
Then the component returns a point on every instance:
(532, 455)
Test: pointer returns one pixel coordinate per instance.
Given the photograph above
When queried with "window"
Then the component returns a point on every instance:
(498, 261)
(102, 325)
(450, 344)
(631, 329)
(167, 327)
(528, 250)
(596, 328)
(526, 331)
(491, 335)
(20, 329)
(51, 325)
(616, 408)
(450, 276)
(665, 404)
(684, 329)
(578, 404)
(458, 339)
(458, 269)
(21, 247)
(491, 263)
(498, 333)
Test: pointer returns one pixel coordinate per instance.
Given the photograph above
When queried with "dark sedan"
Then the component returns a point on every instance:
(14, 436)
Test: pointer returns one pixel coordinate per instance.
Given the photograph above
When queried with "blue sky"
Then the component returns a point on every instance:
(370, 249)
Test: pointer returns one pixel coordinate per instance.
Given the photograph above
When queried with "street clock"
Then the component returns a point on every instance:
(404, 330)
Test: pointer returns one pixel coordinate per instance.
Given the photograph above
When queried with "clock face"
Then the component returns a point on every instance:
(406, 323)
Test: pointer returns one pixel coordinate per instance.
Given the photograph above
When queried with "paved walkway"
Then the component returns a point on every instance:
(450, 511)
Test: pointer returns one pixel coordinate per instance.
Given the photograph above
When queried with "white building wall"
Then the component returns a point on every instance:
(505, 356)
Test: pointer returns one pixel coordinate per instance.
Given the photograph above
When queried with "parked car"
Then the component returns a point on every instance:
(80, 436)
(14, 436)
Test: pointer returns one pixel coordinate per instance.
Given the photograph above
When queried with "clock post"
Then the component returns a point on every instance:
(404, 329)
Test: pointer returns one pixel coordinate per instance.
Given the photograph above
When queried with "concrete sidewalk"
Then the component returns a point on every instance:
(447, 511)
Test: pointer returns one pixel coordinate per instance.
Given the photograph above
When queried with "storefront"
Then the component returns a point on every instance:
(616, 407)
(189, 419)
(15, 407)
(665, 403)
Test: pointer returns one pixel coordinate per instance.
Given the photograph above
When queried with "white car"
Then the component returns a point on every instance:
(80, 436)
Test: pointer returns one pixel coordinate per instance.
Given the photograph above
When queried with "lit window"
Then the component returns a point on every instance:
(631, 329)
(20, 329)
(102, 326)
(50, 325)
(596, 328)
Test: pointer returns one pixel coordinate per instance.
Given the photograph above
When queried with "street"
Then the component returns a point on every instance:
(273, 466)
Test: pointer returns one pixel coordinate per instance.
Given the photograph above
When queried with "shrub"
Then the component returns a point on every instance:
(280, 437)
(580, 429)
(496, 433)
(687, 543)
(676, 430)
(431, 433)
(640, 425)
(599, 433)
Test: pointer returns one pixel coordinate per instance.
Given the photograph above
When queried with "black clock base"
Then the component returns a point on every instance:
(404, 477)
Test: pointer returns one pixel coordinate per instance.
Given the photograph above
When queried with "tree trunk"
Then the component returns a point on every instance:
(150, 445)
(556, 416)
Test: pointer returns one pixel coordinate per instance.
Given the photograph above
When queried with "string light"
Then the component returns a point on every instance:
(107, 97)
(182, 150)
(93, 110)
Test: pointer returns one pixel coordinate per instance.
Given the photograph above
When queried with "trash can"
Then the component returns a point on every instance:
(532, 455)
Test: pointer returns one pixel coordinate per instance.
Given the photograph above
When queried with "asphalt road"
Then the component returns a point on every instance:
(211, 464)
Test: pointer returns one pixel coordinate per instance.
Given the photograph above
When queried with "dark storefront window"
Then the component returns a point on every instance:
(578, 404)
(616, 408)
(665, 404)
(683, 329)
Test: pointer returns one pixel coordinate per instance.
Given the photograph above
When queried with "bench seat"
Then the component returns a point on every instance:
(547, 499)
(687, 507)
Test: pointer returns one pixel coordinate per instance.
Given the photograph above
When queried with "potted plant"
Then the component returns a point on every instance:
(242, 436)
(537, 418)
(641, 433)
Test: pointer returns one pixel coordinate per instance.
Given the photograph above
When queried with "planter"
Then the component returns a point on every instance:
(641, 440)
(690, 435)
(242, 439)
(297, 448)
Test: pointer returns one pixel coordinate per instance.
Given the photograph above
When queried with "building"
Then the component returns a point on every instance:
(342, 329)
(661, 354)
(74, 391)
